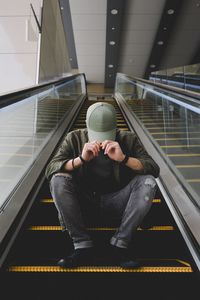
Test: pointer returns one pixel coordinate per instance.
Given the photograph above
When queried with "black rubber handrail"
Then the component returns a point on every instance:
(167, 88)
(17, 96)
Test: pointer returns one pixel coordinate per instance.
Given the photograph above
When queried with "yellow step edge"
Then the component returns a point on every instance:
(187, 166)
(176, 139)
(175, 132)
(82, 120)
(50, 200)
(104, 269)
(157, 119)
(83, 124)
(59, 228)
(122, 128)
(180, 146)
(156, 201)
(193, 180)
(82, 127)
(184, 154)
(164, 128)
(162, 123)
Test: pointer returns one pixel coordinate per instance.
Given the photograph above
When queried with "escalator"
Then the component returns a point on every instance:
(169, 131)
(166, 263)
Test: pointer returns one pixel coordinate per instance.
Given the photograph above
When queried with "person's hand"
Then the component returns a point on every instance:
(90, 150)
(113, 150)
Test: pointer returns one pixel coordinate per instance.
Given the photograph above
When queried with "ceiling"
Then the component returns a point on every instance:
(138, 37)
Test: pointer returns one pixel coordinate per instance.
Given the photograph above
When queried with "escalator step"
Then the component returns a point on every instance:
(55, 228)
(50, 200)
(103, 269)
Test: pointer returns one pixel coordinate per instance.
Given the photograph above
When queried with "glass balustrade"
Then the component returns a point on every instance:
(27, 126)
(184, 77)
(172, 122)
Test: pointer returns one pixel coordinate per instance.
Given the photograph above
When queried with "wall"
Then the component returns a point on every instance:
(18, 44)
(54, 58)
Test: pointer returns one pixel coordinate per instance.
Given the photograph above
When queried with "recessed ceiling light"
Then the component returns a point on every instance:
(160, 43)
(170, 11)
(112, 43)
(70, 59)
(113, 28)
(61, 7)
(110, 66)
(114, 11)
(164, 28)
(152, 66)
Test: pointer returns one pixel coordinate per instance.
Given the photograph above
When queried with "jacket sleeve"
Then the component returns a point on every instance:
(150, 166)
(64, 154)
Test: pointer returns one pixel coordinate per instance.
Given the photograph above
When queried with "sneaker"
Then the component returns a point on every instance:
(80, 257)
(123, 259)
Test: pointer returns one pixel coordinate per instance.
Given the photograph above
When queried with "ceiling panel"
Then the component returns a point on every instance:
(173, 61)
(90, 49)
(139, 30)
(191, 22)
(94, 60)
(137, 36)
(174, 50)
(88, 6)
(90, 37)
(134, 49)
(89, 25)
(132, 71)
(145, 6)
(192, 7)
(88, 22)
(141, 22)
(138, 60)
(185, 38)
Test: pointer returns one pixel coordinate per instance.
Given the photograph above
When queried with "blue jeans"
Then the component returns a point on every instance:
(129, 205)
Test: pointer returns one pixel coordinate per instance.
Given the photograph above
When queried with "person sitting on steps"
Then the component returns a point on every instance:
(107, 168)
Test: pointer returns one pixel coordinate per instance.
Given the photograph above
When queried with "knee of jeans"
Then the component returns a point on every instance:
(149, 180)
(61, 180)
(143, 179)
(149, 187)
(146, 184)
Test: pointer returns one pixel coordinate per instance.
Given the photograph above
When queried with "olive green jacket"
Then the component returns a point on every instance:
(72, 146)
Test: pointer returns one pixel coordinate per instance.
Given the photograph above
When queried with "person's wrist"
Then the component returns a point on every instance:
(124, 160)
(82, 159)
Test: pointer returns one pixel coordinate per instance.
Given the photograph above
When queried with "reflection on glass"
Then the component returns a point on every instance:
(26, 127)
(174, 125)
(186, 77)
